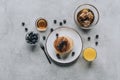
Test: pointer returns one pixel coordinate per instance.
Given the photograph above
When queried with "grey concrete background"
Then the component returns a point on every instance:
(19, 62)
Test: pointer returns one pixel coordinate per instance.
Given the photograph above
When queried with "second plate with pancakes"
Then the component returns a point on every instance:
(64, 41)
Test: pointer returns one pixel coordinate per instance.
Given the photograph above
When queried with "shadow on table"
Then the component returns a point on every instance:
(89, 64)
(85, 63)
(64, 64)
(86, 31)
(32, 48)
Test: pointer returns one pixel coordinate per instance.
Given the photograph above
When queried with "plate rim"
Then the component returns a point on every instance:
(64, 27)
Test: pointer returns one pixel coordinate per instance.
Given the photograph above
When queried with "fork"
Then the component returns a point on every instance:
(43, 48)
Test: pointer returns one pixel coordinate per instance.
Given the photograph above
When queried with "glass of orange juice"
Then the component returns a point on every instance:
(89, 54)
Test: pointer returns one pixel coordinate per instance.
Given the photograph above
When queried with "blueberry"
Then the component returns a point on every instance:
(37, 38)
(33, 40)
(73, 53)
(30, 34)
(57, 35)
(55, 21)
(23, 23)
(89, 38)
(60, 23)
(96, 43)
(34, 36)
(64, 21)
(58, 56)
(97, 36)
(44, 37)
(51, 30)
(27, 37)
(26, 29)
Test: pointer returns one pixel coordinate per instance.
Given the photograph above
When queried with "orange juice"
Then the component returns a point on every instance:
(89, 54)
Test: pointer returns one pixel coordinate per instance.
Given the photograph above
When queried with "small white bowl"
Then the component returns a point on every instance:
(28, 35)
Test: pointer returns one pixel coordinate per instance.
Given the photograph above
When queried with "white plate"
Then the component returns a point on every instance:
(64, 31)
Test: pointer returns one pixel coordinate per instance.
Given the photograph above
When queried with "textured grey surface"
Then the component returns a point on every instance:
(19, 62)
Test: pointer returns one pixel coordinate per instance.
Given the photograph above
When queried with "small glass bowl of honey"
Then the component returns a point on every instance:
(41, 24)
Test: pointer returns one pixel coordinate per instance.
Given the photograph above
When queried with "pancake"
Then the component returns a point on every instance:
(63, 45)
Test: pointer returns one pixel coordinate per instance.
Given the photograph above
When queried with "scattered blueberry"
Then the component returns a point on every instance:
(55, 21)
(26, 29)
(32, 38)
(97, 36)
(89, 38)
(60, 23)
(61, 45)
(73, 53)
(51, 30)
(64, 21)
(96, 43)
(57, 35)
(58, 56)
(23, 23)
(44, 37)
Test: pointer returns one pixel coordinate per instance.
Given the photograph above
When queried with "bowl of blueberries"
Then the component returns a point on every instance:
(32, 38)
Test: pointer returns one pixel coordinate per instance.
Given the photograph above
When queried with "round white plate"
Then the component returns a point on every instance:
(64, 31)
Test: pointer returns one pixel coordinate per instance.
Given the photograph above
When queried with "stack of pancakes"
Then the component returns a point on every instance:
(63, 45)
